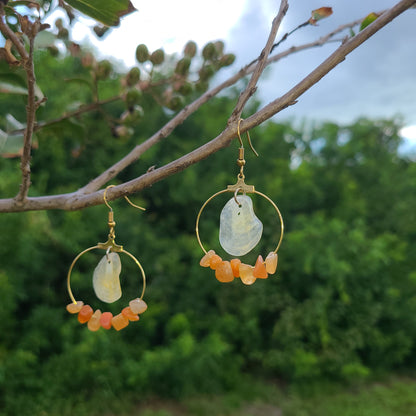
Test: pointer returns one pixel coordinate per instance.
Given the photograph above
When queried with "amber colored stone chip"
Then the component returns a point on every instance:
(271, 262)
(75, 307)
(259, 271)
(224, 272)
(138, 306)
(105, 320)
(128, 313)
(235, 265)
(119, 322)
(85, 314)
(94, 323)
(215, 261)
(206, 260)
(246, 274)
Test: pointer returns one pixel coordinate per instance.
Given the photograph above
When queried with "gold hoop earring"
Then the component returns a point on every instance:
(240, 230)
(106, 283)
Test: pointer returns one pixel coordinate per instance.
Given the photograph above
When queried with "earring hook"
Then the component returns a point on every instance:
(125, 197)
(248, 138)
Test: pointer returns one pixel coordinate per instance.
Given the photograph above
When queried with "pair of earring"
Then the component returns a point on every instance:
(239, 232)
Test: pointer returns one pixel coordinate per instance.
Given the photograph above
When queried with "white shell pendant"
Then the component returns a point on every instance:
(106, 280)
(240, 229)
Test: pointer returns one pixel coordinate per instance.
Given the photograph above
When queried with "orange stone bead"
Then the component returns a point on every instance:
(94, 323)
(224, 272)
(215, 261)
(206, 260)
(259, 271)
(105, 320)
(235, 264)
(271, 262)
(85, 314)
(138, 306)
(119, 322)
(128, 313)
(75, 307)
(246, 274)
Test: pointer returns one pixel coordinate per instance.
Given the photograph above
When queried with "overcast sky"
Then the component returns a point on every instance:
(377, 80)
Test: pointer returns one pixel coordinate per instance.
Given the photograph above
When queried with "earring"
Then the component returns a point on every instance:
(240, 230)
(106, 283)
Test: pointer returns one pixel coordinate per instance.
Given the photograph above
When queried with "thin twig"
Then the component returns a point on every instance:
(31, 108)
(260, 65)
(31, 31)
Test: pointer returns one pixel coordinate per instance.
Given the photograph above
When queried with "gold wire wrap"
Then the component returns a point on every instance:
(231, 189)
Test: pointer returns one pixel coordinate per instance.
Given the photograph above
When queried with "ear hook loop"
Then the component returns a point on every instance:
(109, 245)
(241, 161)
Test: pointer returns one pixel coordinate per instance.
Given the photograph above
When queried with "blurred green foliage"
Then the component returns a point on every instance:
(341, 307)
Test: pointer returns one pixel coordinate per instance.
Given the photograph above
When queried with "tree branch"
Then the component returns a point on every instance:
(164, 132)
(80, 199)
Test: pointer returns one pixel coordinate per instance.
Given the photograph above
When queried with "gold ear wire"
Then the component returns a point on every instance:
(105, 197)
(248, 138)
(134, 205)
(125, 197)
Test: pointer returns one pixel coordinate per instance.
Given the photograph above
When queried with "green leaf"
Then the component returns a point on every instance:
(12, 146)
(368, 20)
(107, 12)
(6, 88)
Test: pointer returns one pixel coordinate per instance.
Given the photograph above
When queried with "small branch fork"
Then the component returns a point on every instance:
(90, 194)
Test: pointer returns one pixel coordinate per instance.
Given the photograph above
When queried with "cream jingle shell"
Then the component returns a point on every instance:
(106, 278)
(240, 229)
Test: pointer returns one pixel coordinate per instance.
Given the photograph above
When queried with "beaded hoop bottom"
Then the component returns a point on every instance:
(97, 319)
(226, 271)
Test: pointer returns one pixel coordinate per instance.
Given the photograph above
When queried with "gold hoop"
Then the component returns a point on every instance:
(235, 189)
(101, 246)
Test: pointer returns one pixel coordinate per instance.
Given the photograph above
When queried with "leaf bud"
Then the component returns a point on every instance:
(209, 52)
(190, 49)
(142, 53)
(100, 31)
(219, 46)
(157, 57)
(186, 88)
(133, 76)
(182, 67)
(103, 70)
(227, 60)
